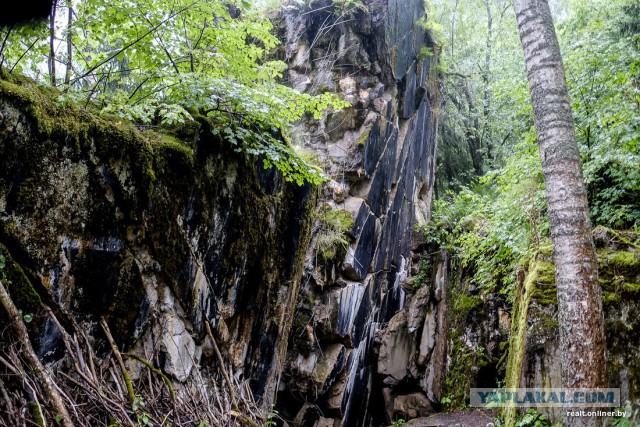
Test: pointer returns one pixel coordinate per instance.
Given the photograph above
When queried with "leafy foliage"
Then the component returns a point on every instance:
(334, 224)
(532, 418)
(497, 223)
(603, 66)
(161, 63)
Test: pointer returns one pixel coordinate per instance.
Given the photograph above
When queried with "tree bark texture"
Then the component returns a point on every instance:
(52, 47)
(579, 295)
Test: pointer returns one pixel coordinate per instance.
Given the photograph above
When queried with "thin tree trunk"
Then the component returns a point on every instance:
(454, 15)
(52, 50)
(29, 354)
(4, 42)
(472, 129)
(67, 75)
(579, 295)
(486, 74)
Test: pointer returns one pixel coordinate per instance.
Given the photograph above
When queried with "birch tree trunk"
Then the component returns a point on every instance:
(579, 295)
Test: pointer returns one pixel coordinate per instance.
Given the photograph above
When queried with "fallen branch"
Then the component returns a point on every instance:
(225, 375)
(36, 366)
(118, 355)
(155, 371)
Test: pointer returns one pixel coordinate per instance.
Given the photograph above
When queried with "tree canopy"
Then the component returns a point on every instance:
(497, 218)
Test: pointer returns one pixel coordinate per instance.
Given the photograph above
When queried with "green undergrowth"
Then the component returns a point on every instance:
(332, 238)
(493, 226)
(118, 138)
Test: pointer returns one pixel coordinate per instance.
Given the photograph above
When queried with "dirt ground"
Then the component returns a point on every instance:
(463, 418)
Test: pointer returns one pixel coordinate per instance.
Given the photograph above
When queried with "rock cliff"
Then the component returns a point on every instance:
(324, 303)
(156, 235)
(493, 338)
(379, 154)
(116, 240)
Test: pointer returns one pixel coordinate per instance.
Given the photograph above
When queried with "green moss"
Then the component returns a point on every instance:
(632, 288)
(543, 272)
(18, 284)
(332, 239)
(465, 303)
(36, 414)
(545, 253)
(40, 103)
(518, 336)
(545, 296)
(622, 260)
(114, 141)
(362, 139)
(463, 366)
(608, 235)
(171, 153)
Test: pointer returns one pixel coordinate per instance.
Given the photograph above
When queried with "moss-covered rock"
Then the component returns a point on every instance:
(619, 271)
(155, 234)
(476, 339)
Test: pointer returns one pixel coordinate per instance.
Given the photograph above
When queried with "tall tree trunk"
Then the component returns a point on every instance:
(67, 74)
(579, 295)
(52, 47)
(486, 74)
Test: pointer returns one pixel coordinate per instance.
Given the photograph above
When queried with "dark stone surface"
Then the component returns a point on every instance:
(404, 36)
(380, 190)
(392, 177)
(408, 90)
(337, 369)
(365, 227)
(102, 214)
(374, 147)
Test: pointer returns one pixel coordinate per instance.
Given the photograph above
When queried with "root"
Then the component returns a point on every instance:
(84, 389)
(37, 370)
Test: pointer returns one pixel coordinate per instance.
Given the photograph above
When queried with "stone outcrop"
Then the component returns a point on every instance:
(484, 327)
(154, 233)
(342, 364)
(619, 274)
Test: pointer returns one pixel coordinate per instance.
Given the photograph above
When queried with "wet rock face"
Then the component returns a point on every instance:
(379, 154)
(139, 229)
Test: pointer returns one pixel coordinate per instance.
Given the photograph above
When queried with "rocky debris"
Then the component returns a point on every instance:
(412, 406)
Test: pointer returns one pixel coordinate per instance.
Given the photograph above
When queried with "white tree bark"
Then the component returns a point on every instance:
(579, 295)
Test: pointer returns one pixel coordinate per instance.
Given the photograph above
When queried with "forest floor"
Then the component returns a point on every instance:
(461, 418)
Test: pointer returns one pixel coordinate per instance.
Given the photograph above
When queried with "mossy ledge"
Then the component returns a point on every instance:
(81, 129)
(535, 329)
(150, 229)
